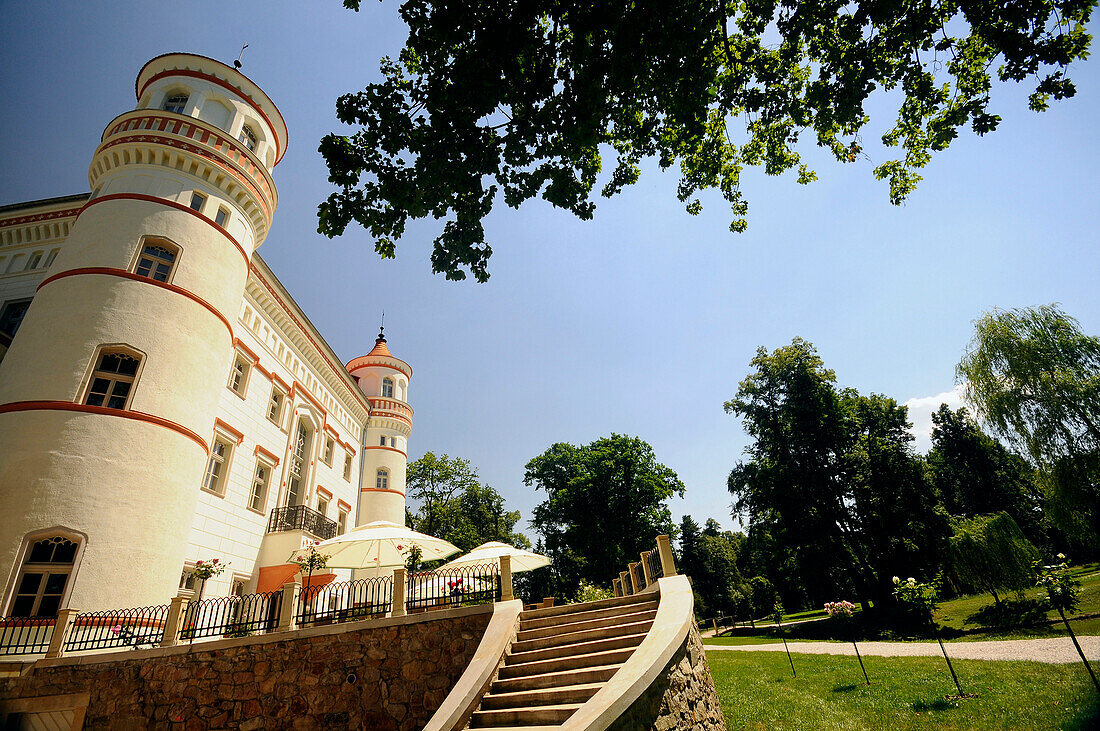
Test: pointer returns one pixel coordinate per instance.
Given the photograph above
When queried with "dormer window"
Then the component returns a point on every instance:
(175, 103)
(387, 388)
(248, 138)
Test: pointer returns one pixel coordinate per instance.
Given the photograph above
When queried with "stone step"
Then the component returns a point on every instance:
(572, 638)
(579, 648)
(583, 614)
(530, 716)
(568, 628)
(561, 664)
(587, 606)
(541, 696)
(599, 674)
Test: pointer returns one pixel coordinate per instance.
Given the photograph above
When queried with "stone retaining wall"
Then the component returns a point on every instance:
(682, 697)
(388, 675)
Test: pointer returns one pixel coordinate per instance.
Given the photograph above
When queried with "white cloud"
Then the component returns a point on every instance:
(920, 413)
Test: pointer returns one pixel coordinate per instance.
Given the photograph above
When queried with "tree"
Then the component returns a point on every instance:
(1034, 377)
(990, 553)
(974, 474)
(606, 501)
(456, 506)
(710, 558)
(521, 100)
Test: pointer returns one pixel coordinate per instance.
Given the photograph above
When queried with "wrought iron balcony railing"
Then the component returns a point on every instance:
(301, 517)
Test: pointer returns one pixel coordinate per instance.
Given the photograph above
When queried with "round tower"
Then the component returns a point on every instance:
(108, 394)
(384, 380)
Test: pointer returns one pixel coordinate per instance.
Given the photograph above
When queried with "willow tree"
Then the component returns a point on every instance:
(990, 553)
(516, 100)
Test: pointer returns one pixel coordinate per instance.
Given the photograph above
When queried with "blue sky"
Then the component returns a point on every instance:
(642, 321)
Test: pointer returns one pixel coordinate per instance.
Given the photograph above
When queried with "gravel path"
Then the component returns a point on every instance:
(1052, 650)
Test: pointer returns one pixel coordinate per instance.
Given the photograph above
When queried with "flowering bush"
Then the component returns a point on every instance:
(204, 570)
(127, 634)
(1063, 592)
(840, 609)
(916, 598)
(312, 559)
(455, 585)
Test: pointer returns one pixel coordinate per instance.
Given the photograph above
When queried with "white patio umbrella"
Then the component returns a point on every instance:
(381, 544)
(490, 553)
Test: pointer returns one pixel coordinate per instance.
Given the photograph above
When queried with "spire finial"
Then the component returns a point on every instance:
(382, 329)
(237, 63)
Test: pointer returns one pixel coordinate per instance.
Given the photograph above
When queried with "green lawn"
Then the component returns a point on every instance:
(757, 692)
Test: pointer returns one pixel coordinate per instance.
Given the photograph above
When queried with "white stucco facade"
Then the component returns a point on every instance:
(163, 399)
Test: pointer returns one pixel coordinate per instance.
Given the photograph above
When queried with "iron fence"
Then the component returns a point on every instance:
(628, 584)
(345, 601)
(135, 628)
(301, 517)
(454, 587)
(653, 561)
(232, 616)
(25, 635)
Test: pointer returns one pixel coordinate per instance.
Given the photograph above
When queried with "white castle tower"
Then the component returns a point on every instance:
(108, 393)
(384, 380)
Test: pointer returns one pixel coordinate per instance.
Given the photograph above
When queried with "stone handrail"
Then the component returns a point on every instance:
(669, 631)
(463, 698)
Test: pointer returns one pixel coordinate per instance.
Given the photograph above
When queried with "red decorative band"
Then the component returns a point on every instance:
(378, 489)
(170, 204)
(390, 449)
(67, 213)
(104, 411)
(235, 433)
(122, 273)
(261, 452)
(224, 85)
(365, 361)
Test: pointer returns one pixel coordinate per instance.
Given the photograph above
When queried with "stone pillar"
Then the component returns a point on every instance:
(174, 623)
(398, 593)
(289, 607)
(506, 594)
(668, 565)
(60, 630)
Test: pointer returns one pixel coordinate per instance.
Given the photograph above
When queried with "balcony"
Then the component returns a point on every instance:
(301, 517)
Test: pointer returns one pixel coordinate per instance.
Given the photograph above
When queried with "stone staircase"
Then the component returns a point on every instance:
(560, 658)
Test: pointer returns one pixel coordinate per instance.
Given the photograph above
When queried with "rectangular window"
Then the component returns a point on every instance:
(11, 316)
(347, 466)
(156, 260)
(381, 441)
(175, 103)
(322, 506)
(112, 381)
(329, 446)
(217, 467)
(33, 263)
(221, 217)
(238, 375)
(198, 200)
(188, 582)
(260, 482)
(44, 575)
(275, 406)
(342, 522)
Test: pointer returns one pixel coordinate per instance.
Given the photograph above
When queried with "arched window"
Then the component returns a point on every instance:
(44, 577)
(382, 481)
(157, 259)
(175, 103)
(387, 387)
(248, 138)
(112, 381)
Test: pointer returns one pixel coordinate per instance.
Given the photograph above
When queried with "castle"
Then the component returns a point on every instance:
(163, 400)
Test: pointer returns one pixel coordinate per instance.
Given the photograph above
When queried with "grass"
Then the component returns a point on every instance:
(757, 691)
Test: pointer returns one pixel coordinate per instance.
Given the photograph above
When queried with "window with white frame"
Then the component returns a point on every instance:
(387, 387)
(382, 480)
(217, 467)
(222, 216)
(175, 103)
(112, 381)
(299, 459)
(43, 577)
(156, 260)
(342, 522)
(188, 582)
(198, 200)
(347, 466)
(248, 138)
(393, 442)
(275, 406)
(322, 505)
(36, 257)
(260, 483)
(238, 375)
(330, 445)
